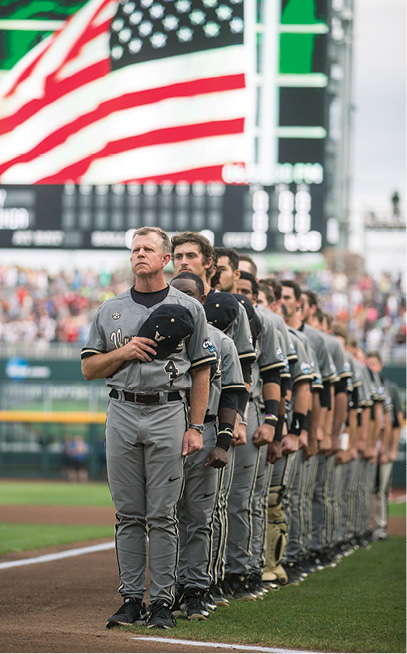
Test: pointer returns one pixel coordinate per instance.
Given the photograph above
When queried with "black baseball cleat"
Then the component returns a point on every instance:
(133, 611)
(210, 601)
(159, 615)
(196, 608)
(293, 576)
(256, 586)
(218, 595)
(236, 587)
(179, 602)
(271, 585)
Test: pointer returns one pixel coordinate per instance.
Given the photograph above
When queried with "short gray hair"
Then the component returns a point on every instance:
(165, 240)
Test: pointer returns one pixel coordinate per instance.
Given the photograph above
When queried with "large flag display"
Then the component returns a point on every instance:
(133, 91)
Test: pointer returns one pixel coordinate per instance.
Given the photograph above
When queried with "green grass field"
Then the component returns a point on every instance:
(359, 606)
(54, 493)
(397, 509)
(23, 537)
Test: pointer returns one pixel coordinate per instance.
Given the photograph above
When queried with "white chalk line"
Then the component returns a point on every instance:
(242, 648)
(45, 558)
(78, 551)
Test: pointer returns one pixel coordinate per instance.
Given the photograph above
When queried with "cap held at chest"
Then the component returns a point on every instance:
(167, 325)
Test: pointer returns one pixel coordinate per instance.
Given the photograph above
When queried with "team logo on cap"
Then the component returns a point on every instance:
(116, 315)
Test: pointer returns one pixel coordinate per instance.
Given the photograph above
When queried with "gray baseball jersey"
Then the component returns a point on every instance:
(229, 375)
(119, 319)
(312, 358)
(325, 361)
(289, 350)
(269, 354)
(300, 369)
(240, 333)
(337, 353)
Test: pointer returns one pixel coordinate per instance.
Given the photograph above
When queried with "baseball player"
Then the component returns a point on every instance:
(198, 501)
(393, 419)
(151, 344)
(222, 309)
(193, 252)
(247, 501)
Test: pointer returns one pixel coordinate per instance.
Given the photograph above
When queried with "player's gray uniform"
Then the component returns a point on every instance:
(310, 467)
(322, 504)
(231, 381)
(144, 442)
(197, 505)
(245, 513)
(307, 364)
(393, 406)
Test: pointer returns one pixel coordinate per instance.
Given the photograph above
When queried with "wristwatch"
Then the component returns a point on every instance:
(199, 428)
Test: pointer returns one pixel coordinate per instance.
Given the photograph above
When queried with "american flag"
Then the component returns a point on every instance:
(132, 91)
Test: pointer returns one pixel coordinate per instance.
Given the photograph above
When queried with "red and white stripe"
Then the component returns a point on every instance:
(66, 116)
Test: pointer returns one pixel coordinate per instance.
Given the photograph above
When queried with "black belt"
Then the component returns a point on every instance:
(209, 419)
(145, 398)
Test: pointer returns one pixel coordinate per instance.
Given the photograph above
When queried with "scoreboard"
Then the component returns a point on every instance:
(276, 202)
(282, 217)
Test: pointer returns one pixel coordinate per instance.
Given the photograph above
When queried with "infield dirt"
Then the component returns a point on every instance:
(62, 606)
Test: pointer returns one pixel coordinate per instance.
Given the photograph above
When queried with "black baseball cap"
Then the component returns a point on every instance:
(167, 325)
(221, 310)
(244, 300)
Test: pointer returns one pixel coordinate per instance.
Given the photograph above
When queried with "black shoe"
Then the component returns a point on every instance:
(210, 601)
(218, 595)
(271, 585)
(236, 588)
(133, 611)
(315, 561)
(159, 615)
(294, 577)
(255, 585)
(179, 602)
(327, 560)
(196, 608)
(306, 567)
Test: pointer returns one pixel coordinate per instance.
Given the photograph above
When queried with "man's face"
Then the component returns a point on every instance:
(189, 287)
(374, 364)
(227, 276)
(289, 301)
(189, 258)
(245, 288)
(262, 300)
(147, 257)
(305, 307)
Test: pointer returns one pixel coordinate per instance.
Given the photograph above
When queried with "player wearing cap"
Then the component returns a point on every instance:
(149, 364)
(199, 498)
(247, 501)
(393, 419)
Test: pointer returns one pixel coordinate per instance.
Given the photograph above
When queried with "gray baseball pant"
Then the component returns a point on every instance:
(145, 475)
(384, 471)
(293, 548)
(319, 507)
(240, 506)
(309, 475)
(220, 518)
(259, 512)
(195, 510)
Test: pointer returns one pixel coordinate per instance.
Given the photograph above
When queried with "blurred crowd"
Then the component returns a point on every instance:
(42, 307)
